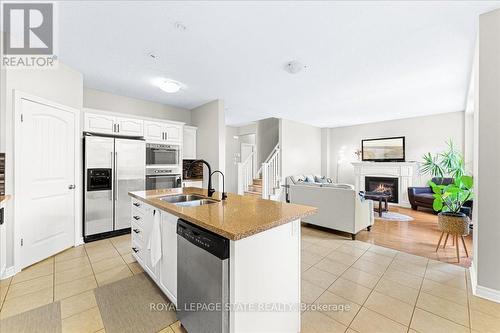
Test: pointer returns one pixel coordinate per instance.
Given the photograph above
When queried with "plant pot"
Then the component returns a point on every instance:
(453, 223)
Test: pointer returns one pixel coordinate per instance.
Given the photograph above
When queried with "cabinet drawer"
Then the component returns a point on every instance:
(138, 205)
(138, 250)
(137, 233)
(137, 217)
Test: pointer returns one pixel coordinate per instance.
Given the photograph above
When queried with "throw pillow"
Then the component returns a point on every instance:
(309, 178)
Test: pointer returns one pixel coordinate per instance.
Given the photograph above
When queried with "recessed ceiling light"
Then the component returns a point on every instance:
(168, 85)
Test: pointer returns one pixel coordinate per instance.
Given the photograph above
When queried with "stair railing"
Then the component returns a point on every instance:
(271, 174)
(245, 174)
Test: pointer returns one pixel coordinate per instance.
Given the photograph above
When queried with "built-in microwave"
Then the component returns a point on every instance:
(162, 154)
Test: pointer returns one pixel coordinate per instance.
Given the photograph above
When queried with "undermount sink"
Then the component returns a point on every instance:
(188, 200)
(181, 198)
(195, 203)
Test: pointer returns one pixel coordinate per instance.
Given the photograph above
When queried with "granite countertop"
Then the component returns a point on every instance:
(4, 198)
(235, 218)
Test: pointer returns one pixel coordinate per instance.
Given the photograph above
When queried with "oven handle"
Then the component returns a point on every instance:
(162, 176)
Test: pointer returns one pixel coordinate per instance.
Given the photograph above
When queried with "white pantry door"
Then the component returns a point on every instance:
(45, 178)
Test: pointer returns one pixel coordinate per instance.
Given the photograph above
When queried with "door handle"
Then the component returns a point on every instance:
(71, 187)
(118, 128)
(135, 249)
(137, 218)
(137, 231)
(137, 204)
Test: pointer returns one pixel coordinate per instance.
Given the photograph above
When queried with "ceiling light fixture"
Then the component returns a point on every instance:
(294, 66)
(180, 26)
(169, 86)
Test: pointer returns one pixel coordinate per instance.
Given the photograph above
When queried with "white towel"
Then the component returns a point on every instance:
(154, 243)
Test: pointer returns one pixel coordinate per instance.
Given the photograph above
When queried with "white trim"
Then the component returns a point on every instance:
(480, 291)
(9, 271)
(77, 230)
(473, 277)
(132, 116)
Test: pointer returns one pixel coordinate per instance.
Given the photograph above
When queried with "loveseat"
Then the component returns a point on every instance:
(340, 207)
(424, 197)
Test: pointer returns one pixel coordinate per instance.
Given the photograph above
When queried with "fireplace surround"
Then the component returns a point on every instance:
(406, 172)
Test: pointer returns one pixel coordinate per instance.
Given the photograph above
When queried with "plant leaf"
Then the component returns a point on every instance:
(437, 205)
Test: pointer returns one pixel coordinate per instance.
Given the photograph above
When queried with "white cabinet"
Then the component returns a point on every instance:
(192, 183)
(98, 123)
(154, 130)
(162, 131)
(142, 220)
(129, 126)
(168, 263)
(173, 132)
(108, 124)
(189, 143)
(165, 271)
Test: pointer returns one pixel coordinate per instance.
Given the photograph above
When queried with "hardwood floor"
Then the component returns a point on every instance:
(419, 237)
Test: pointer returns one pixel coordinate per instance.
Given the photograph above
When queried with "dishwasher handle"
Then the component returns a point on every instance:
(204, 239)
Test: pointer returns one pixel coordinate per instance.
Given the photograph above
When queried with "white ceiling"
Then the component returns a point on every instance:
(367, 61)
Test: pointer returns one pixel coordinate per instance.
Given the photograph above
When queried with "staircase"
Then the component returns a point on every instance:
(255, 189)
(267, 185)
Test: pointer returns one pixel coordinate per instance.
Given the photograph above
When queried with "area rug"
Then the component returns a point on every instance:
(45, 319)
(392, 216)
(134, 304)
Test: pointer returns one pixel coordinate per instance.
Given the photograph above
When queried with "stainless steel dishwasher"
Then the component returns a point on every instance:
(202, 279)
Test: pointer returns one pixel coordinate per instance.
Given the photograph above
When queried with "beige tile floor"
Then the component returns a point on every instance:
(385, 290)
(70, 277)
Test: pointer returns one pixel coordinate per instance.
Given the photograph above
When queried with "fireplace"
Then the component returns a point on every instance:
(388, 185)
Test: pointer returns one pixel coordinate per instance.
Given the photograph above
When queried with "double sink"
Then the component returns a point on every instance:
(188, 200)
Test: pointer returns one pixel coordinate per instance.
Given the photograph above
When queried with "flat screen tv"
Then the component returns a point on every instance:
(383, 149)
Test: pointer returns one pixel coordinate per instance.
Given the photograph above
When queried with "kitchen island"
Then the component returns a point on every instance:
(264, 252)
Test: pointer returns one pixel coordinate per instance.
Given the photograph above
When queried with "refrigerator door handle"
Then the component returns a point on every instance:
(116, 180)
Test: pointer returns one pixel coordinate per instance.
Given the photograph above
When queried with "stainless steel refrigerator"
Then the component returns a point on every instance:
(113, 167)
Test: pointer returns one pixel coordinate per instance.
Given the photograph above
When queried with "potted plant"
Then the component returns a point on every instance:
(447, 163)
(449, 200)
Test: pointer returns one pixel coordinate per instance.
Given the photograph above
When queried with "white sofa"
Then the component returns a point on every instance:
(339, 205)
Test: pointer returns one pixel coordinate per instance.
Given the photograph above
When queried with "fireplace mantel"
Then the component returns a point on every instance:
(406, 172)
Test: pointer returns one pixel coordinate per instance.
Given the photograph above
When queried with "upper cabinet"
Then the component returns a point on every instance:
(189, 143)
(129, 126)
(108, 124)
(154, 131)
(99, 123)
(150, 129)
(162, 131)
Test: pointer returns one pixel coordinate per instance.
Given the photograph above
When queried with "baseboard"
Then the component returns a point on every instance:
(480, 291)
(8, 272)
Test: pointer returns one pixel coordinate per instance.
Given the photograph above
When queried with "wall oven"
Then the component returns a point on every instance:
(162, 154)
(163, 178)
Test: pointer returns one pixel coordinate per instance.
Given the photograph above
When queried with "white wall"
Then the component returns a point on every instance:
(232, 157)
(300, 146)
(62, 85)
(211, 138)
(98, 99)
(487, 181)
(267, 137)
(423, 134)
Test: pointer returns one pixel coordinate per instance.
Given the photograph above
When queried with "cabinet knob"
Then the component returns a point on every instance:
(137, 204)
(137, 231)
(137, 218)
(135, 249)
